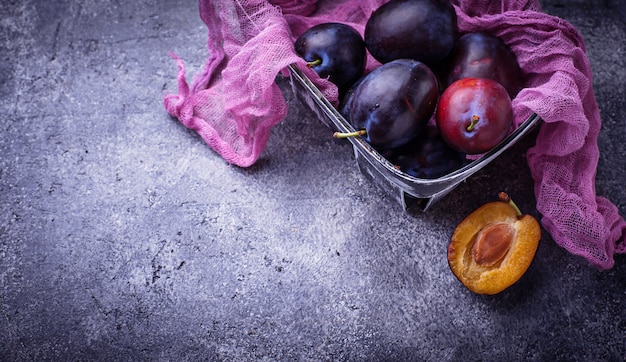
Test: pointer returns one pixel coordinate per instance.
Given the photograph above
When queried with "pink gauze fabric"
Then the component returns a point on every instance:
(233, 103)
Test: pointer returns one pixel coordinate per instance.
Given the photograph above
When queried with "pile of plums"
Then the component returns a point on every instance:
(427, 68)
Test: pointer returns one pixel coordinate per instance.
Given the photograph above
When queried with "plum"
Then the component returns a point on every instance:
(335, 51)
(474, 115)
(391, 105)
(428, 156)
(482, 55)
(423, 30)
(492, 247)
(344, 105)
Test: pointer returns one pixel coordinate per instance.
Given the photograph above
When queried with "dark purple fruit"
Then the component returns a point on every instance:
(391, 105)
(428, 156)
(424, 30)
(344, 106)
(335, 51)
(480, 55)
(474, 115)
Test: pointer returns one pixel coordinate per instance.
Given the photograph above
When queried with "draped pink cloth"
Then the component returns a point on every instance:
(233, 103)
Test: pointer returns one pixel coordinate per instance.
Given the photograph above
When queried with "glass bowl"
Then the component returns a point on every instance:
(409, 191)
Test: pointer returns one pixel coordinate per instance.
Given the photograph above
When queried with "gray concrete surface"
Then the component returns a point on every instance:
(124, 237)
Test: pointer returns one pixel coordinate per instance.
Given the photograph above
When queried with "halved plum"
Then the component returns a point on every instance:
(493, 246)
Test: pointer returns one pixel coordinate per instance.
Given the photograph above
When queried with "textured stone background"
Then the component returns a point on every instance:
(124, 237)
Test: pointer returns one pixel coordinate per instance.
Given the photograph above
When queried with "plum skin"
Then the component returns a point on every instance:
(393, 103)
(335, 51)
(482, 55)
(428, 156)
(424, 30)
(468, 98)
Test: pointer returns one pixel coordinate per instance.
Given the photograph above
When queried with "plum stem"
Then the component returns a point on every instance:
(314, 63)
(472, 124)
(358, 133)
(504, 197)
